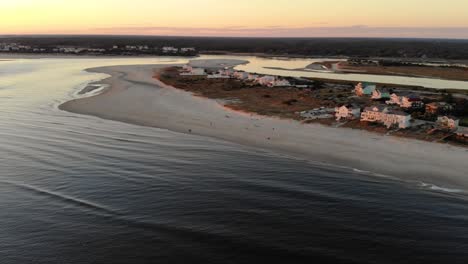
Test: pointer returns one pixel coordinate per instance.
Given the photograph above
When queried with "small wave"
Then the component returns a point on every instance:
(370, 173)
(439, 188)
(64, 198)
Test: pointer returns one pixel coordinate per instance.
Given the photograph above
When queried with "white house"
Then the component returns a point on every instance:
(194, 72)
(218, 76)
(170, 50)
(381, 114)
(266, 80)
(347, 112)
(281, 83)
(447, 123)
(241, 75)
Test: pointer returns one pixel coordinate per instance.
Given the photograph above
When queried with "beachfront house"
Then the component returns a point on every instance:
(411, 101)
(448, 123)
(378, 95)
(405, 101)
(369, 88)
(390, 118)
(359, 89)
(347, 112)
(394, 99)
(438, 107)
(362, 89)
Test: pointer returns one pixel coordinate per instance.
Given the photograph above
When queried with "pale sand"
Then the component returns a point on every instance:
(135, 97)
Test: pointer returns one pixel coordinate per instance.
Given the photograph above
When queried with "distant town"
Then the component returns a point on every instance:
(114, 50)
(427, 115)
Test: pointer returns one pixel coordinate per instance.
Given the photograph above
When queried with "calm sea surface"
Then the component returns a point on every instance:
(78, 189)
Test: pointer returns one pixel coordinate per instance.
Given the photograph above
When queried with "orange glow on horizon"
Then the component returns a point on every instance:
(219, 18)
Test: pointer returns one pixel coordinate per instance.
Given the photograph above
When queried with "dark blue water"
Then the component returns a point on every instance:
(78, 189)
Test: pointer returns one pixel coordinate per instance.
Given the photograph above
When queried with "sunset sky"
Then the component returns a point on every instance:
(262, 18)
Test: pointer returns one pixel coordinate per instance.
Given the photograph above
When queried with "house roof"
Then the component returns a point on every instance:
(380, 108)
(399, 113)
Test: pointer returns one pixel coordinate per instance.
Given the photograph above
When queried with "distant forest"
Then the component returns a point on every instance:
(352, 47)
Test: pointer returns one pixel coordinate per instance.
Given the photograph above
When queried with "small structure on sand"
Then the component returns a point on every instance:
(349, 112)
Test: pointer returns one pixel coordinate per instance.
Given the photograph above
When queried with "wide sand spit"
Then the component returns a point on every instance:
(134, 96)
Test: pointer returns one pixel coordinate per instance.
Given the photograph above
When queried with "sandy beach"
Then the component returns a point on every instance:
(135, 97)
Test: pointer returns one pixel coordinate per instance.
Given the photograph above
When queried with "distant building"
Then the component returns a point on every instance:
(186, 50)
(381, 114)
(170, 50)
(347, 112)
(194, 72)
(448, 123)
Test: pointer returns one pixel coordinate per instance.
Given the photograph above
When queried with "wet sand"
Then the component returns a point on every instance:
(135, 97)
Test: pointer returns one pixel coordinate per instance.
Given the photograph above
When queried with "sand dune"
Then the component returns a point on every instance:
(135, 97)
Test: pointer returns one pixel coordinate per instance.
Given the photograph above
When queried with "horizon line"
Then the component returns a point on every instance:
(231, 37)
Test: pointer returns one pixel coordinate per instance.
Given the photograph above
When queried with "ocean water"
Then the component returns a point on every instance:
(79, 189)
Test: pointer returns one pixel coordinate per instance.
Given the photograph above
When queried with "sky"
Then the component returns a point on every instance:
(238, 18)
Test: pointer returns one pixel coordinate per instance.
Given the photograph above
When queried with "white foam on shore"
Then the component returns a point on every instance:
(434, 187)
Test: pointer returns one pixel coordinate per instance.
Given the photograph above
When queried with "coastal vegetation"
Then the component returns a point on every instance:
(326, 47)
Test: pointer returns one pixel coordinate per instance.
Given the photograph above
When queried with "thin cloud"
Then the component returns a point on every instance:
(278, 31)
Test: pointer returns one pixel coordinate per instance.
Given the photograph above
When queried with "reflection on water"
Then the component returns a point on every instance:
(79, 189)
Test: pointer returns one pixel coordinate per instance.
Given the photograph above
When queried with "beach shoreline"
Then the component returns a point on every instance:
(134, 96)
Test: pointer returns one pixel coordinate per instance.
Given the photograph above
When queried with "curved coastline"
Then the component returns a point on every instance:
(134, 96)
